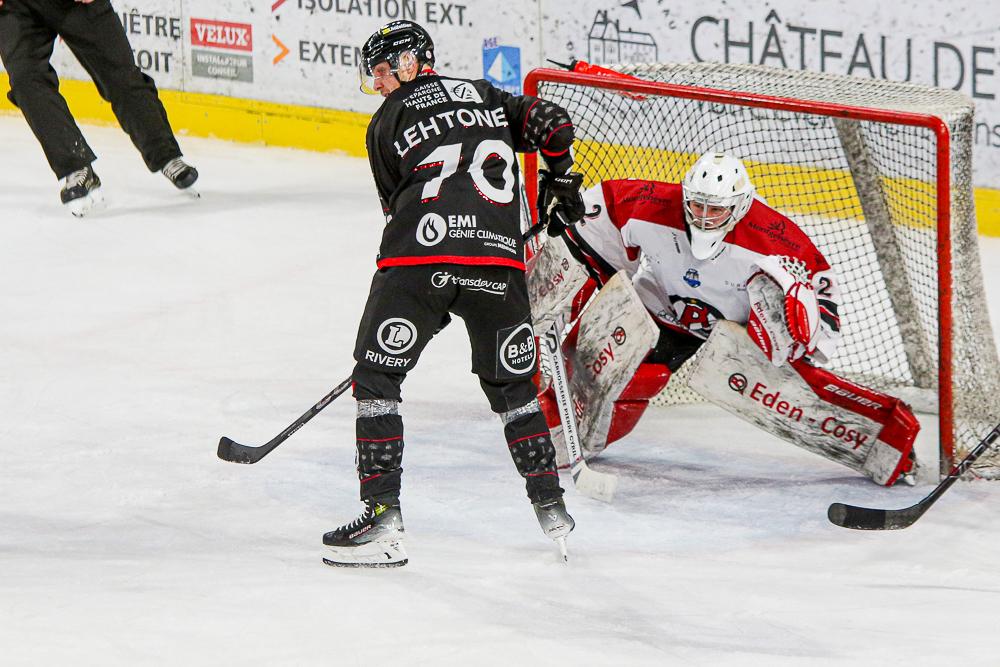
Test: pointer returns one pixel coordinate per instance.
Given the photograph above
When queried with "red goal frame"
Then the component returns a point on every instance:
(934, 123)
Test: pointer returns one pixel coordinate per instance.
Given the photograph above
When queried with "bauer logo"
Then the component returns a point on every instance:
(461, 91)
(738, 382)
(431, 230)
(517, 351)
(396, 335)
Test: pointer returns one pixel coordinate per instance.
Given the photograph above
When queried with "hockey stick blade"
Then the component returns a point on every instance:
(234, 452)
(597, 485)
(865, 518)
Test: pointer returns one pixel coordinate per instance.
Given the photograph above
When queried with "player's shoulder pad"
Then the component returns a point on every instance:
(654, 201)
(768, 232)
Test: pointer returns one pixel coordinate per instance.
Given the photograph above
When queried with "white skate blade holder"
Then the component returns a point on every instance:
(389, 553)
(83, 206)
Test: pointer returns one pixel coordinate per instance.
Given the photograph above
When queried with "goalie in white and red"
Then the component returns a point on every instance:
(708, 250)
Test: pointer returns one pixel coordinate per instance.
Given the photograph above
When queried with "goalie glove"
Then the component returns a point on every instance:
(567, 206)
(784, 314)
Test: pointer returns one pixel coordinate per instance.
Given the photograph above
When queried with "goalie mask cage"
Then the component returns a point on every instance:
(877, 173)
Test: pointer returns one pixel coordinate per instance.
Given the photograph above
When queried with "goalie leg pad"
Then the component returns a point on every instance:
(890, 454)
(602, 352)
(808, 406)
(648, 381)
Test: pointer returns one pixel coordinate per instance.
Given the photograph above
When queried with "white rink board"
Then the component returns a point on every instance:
(937, 43)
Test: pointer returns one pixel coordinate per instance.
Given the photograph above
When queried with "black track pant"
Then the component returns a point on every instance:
(28, 30)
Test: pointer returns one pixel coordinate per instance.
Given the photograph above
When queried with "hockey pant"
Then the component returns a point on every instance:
(406, 307)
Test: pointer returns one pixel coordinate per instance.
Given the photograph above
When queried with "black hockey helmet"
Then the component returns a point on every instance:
(390, 42)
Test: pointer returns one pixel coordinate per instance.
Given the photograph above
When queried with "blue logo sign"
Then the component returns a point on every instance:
(502, 66)
(691, 278)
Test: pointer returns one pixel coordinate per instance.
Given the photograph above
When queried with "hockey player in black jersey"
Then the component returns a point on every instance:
(442, 152)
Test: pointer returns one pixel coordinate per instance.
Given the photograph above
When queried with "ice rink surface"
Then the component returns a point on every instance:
(132, 340)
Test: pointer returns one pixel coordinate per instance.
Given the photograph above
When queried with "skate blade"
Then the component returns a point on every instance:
(561, 541)
(191, 192)
(334, 563)
(83, 206)
(372, 554)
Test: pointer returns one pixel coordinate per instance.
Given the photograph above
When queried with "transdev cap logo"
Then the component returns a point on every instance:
(222, 35)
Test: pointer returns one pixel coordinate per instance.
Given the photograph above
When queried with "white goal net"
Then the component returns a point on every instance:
(877, 173)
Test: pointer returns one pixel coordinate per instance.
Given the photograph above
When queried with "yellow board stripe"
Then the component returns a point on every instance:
(234, 119)
(328, 130)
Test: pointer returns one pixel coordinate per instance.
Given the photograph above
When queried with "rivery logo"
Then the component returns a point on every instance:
(840, 391)
(606, 355)
(517, 351)
(431, 230)
(461, 91)
(396, 335)
(222, 35)
(442, 278)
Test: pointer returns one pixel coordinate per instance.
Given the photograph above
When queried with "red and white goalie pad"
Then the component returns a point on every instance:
(865, 430)
(555, 282)
(603, 351)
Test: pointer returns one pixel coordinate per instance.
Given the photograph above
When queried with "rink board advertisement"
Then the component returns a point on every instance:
(305, 52)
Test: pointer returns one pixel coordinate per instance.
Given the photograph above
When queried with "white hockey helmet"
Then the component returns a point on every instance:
(717, 194)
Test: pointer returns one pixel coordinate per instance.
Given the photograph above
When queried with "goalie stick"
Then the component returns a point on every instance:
(230, 450)
(598, 485)
(864, 518)
(589, 482)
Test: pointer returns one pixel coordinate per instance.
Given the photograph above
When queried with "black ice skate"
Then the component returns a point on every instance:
(555, 521)
(81, 192)
(374, 539)
(182, 175)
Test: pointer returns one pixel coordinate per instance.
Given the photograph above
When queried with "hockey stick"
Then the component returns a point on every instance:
(230, 450)
(589, 482)
(864, 518)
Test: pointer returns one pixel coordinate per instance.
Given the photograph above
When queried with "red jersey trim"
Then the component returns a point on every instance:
(451, 259)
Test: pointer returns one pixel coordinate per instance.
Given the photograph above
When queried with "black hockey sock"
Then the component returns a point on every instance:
(534, 455)
(380, 456)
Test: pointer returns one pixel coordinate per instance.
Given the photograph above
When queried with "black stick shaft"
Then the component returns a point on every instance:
(230, 450)
(865, 518)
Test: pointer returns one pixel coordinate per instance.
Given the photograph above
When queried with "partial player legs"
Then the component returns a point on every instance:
(534, 455)
(375, 538)
(25, 47)
(95, 35)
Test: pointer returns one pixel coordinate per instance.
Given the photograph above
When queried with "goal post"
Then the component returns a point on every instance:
(877, 173)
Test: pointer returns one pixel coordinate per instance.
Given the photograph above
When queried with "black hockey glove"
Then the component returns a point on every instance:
(568, 207)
